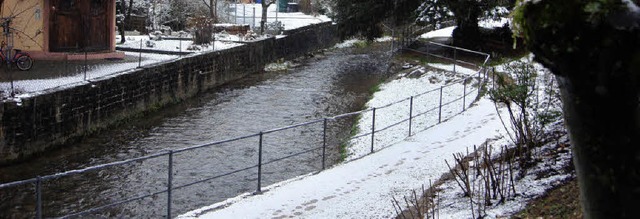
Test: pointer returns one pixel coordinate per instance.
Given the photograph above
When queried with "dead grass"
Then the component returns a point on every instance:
(560, 202)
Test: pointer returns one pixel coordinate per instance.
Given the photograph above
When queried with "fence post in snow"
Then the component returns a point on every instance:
(140, 55)
(428, 51)
(410, 114)
(373, 129)
(253, 20)
(235, 13)
(440, 106)
(13, 88)
(260, 165)
(39, 197)
(464, 94)
(324, 142)
(479, 81)
(455, 59)
(85, 64)
(169, 183)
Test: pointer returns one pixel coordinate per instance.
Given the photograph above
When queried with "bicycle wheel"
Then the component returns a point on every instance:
(24, 63)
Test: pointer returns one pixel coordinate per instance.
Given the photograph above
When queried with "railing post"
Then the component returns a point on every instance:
(260, 165)
(140, 55)
(85, 64)
(324, 143)
(169, 183)
(479, 82)
(410, 114)
(464, 95)
(486, 72)
(455, 59)
(428, 50)
(440, 106)
(373, 129)
(39, 198)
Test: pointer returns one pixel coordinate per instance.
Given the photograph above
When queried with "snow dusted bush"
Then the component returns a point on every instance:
(530, 108)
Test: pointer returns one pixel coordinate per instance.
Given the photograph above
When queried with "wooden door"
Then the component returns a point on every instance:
(65, 26)
(97, 24)
(79, 25)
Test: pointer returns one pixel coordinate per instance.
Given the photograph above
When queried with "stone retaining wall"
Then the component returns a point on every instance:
(52, 118)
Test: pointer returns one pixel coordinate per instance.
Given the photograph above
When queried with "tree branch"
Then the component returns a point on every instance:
(268, 3)
(206, 4)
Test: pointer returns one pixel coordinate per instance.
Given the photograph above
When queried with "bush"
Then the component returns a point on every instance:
(530, 109)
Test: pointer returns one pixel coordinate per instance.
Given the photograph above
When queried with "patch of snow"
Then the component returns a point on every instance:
(452, 204)
(632, 6)
(347, 43)
(137, 42)
(384, 39)
(392, 106)
(444, 32)
(351, 42)
(456, 68)
(493, 23)
(364, 188)
(244, 14)
(30, 88)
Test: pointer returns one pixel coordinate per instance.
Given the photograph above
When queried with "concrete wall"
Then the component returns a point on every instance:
(54, 117)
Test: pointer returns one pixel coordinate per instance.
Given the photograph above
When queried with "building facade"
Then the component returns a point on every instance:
(61, 29)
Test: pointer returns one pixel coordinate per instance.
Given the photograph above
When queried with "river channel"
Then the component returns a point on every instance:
(330, 83)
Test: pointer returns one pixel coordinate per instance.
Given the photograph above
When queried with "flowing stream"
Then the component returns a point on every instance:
(328, 84)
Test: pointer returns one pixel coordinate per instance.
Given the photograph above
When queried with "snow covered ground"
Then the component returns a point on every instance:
(244, 14)
(27, 88)
(239, 14)
(145, 42)
(364, 187)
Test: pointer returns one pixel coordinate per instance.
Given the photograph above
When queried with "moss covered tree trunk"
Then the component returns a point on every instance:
(593, 47)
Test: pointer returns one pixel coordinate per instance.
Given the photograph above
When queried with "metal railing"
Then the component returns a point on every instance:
(417, 107)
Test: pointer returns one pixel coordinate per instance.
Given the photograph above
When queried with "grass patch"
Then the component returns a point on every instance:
(362, 44)
(560, 202)
(375, 88)
(342, 150)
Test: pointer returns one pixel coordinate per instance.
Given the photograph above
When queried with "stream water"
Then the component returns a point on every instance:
(327, 84)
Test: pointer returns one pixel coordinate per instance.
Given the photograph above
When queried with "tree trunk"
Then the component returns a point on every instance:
(466, 13)
(130, 9)
(122, 23)
(606, 148)
(263, 20)
(597, 63)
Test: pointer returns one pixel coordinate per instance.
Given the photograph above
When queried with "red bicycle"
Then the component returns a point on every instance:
(21, 59)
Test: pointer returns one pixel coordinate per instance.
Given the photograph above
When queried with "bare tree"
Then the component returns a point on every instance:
(213, 8)
(263, 21)
(126, 15)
